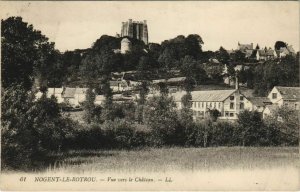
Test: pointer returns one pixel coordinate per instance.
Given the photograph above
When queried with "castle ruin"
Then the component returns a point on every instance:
(135, 29)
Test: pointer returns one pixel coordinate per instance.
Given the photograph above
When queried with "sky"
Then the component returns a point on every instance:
(76, 25)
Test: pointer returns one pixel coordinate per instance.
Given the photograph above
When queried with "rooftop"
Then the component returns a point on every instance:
(289, 93)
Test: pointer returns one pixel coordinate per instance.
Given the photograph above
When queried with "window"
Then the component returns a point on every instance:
(226, 114)
(219, 105)
(194, 104)
(202, 104)
(296, 106)
(231, 114)
(210, 105)
(231, 105)
(274, 95)
(198, 104)
(241, 105)
(231, 97)
(241, 98)
(214, 104)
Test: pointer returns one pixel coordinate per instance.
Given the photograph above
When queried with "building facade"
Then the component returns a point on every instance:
(228, 102)
(135, 29)
(285, 96)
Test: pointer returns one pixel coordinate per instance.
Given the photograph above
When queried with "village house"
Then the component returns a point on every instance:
(68, 96)
(244, 47)
(119, 86)
(259, 103)
(269, 111)
(265, 54)
(56, 92)
(79, 96)
(228, 102)
(284, 51)
(285, 96)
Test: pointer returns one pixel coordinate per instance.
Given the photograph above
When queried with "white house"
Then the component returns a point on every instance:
(269, 110)
(228, 102)
(68, 96)
(56, 92)
(287, 96)
(118, 86)
(259, 103)
(79, 96)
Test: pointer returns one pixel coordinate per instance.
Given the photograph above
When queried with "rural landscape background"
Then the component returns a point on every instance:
(128, 105)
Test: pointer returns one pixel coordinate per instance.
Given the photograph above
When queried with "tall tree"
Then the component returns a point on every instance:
(23, 49)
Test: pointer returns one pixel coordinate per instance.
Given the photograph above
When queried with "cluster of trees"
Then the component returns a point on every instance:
(31, 128)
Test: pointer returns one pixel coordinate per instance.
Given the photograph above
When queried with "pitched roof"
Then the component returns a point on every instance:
(212, 95)
(80, 90)
(118, 83)
(259, 101)
(245, 46)
(290, 49)
(176, 79)
(289, 93)
(248, 53)
(69, 92)
(272, 108)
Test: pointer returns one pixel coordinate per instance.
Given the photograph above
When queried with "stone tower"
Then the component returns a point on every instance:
(125, 45)
(135, 29)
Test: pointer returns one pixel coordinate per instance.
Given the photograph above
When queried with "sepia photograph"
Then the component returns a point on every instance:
(150, 96)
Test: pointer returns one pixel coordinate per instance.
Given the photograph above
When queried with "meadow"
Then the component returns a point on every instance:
(176, 159)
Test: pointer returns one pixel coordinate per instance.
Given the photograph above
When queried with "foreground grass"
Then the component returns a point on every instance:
(176, 159)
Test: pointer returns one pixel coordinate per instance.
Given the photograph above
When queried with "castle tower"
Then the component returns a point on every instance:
(135, 29)
(125, 45)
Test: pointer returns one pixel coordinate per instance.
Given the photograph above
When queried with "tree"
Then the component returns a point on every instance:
(279, 44)
(161, 117)
(89, 105)
(250, 127)
(287, 121)
(222, 55)
(30, 129)
(23, 49)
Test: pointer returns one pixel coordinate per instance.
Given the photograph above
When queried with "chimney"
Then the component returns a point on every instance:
(236, 82)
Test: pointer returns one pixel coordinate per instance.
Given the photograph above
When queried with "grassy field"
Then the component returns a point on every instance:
(177, 159)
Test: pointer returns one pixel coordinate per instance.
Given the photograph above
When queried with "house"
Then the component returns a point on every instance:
(99, 99)
(56, 92)
(228, 102)
(269, 110)
(244, 47)
(118, 86)
(265, 54)
(284, 51)
(285, 96)
(68, 96)
(259, 103)
(79, 96)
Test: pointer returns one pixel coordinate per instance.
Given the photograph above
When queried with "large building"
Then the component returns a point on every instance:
(135, 29)
(228, 102)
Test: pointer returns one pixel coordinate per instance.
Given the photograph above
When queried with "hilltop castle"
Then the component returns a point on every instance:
(135, 29)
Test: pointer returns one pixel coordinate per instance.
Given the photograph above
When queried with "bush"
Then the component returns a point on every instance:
(30, 129)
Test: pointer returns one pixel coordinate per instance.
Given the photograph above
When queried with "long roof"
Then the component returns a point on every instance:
(289, 93)
(211, 95)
